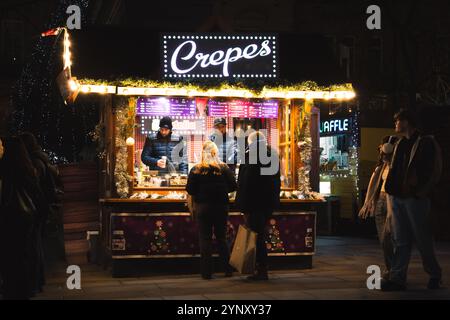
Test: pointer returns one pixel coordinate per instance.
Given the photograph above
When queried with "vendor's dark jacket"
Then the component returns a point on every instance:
(211, 185)
(415, 167)
(157, 146)
(227, 148)
(258, 193)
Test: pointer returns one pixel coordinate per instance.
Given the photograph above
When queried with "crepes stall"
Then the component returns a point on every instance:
(152, 130)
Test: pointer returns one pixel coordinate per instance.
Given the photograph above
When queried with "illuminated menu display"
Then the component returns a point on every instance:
(162, 106)
(218, 109)
(243, 108)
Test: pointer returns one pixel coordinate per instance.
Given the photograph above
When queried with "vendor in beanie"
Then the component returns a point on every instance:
(225, 143)
(161, 144)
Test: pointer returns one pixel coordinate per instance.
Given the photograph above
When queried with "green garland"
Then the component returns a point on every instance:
(125, 115)
(98, 135)
(255, 86)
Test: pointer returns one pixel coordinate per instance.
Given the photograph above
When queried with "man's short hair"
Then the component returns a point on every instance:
(256, 136)
(408, 115)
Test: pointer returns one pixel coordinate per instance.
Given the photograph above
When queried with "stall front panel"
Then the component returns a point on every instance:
(165, 235)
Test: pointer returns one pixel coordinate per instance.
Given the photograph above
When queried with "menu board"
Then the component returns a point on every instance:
(266, 109)
(162, 106)
(238, 109)
(218, 109)
(243, 108)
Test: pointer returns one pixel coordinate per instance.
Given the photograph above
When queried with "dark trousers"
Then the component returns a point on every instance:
(212, 217)
(16, 263)
(257, 221)
(411, 221)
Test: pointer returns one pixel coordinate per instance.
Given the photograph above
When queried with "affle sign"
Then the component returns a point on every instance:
(217, 55)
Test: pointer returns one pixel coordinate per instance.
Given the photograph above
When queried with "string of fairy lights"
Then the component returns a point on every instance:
(38, 106)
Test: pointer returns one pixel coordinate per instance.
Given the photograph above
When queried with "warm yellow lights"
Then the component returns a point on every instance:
(130, 141)
(87, 88)
(66, 53)
(73, 85)
(265, 93)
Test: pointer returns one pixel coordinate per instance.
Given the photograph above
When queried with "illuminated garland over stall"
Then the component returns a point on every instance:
(308, 90)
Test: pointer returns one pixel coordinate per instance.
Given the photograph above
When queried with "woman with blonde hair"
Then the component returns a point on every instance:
(209, 183)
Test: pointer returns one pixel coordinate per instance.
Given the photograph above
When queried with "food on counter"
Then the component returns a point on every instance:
(178, 180)
(297, 195)
(175, 195)
(139, 195)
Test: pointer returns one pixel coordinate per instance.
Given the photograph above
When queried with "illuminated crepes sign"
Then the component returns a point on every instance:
(219, 55)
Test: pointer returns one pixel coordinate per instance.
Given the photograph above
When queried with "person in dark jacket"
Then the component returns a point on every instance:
(225, 143)
(209, 182)
(165, 151)
(42, 165)
(258, 193)
(415, 167)
(21, 200)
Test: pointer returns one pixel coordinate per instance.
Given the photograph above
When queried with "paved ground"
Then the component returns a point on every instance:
(339, 272)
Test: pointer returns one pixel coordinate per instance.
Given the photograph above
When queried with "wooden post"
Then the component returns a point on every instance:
(107, 167)
(314, 174)
(295, 155)
(130, 165)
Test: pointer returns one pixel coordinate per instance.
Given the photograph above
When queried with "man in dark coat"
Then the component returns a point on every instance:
(225, 143)
(163, 144)
(44, 169)
(415, 169)
(21, 205)
(258, 193)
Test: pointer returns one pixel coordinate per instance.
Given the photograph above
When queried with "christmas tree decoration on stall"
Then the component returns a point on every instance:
(274, 243)
(160, 244)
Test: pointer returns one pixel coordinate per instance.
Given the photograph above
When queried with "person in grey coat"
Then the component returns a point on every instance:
(375, 203)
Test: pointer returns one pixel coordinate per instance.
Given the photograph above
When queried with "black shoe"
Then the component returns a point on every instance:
(434, 284)
(206, 276)
(258, 277)
(228, 271)
(388, 285)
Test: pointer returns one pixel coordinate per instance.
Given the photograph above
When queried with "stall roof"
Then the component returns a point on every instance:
(113, 53)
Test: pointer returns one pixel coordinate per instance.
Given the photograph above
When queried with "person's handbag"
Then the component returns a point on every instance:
(243, 255)
(190, 201)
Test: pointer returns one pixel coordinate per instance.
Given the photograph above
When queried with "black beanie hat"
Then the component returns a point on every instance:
(218, 121)
(165, 122)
